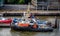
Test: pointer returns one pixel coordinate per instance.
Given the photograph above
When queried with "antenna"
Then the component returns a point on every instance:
(24, 14)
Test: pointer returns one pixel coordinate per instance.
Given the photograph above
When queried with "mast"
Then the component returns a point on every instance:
(28, 11)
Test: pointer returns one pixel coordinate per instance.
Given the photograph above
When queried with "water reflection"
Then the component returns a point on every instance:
(20, 33)
(24, 33)
(9, 32)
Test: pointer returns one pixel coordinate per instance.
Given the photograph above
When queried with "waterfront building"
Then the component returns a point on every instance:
(46, 4)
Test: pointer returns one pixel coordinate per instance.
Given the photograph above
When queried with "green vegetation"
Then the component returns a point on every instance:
(21, 2)
(17, 1)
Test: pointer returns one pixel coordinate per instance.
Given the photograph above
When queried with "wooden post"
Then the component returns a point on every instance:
(56, 22)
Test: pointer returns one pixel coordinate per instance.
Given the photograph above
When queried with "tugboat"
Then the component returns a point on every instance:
(30, 23)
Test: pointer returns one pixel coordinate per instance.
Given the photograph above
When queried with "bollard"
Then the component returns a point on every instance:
(55, 22)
